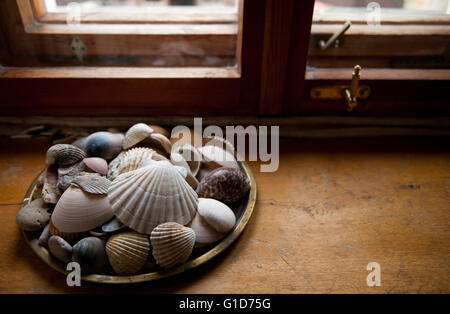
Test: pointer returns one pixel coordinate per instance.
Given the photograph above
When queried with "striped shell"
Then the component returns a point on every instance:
(78, 211)
(93, 183)
(149, 196)
(172, 244)
(135, 134)
(64, 155)
(227, 185)
(135, 156)
(127, 252)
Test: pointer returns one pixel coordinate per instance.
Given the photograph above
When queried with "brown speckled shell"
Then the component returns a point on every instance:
(224, 184)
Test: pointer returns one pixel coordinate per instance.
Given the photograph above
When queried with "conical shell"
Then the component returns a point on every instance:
(78, 211)
(64, 155)
(127, 252)
(96, 164)
(115, 166)
(149, 196)
(134, 157)
(93, 183)
(135, 134)
(172, 244)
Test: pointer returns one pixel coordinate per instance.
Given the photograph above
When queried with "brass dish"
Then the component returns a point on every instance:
(243, 213)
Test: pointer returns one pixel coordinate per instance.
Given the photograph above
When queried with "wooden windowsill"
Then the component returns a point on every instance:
(118, 73)
(377, 74)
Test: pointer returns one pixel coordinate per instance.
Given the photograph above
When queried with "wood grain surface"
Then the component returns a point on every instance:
(332, 207)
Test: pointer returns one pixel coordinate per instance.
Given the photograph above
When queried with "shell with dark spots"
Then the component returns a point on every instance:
(64, 155)
(224, 184)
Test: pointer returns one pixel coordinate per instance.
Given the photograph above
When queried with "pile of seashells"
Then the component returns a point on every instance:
(115, 203)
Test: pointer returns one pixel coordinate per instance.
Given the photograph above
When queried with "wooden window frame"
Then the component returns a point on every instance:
(271, 79)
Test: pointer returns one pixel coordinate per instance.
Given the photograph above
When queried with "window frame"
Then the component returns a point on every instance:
(271, 79)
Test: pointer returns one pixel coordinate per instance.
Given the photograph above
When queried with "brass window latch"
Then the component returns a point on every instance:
(351, 93)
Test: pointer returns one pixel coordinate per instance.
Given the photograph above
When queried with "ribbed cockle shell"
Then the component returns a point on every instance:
(64, 155)
(127, 252)
(172, 244)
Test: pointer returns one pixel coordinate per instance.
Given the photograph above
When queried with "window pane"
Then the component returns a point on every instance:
(59, 5)
(382, 34)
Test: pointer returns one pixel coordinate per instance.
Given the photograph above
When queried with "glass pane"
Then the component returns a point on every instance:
(400, 6)
(382, 34)
(96, 5)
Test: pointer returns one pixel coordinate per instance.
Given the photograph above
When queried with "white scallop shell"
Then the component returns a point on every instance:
(217, 214)
(127, 252)
(135, 134)
(149, 196)
(78, 211)
(172, 244)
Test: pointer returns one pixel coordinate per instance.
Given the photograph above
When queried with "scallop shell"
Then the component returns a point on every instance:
(96, 164)
(115, 166)
(152, 195)
(60, 248)
(135, 134)
(90, 254)
(103, 144)
(217, 214)
(64, 155)
(78, 211)
(186, 156)
(50, 191)
(33, 216)
(227, 185)
(93, 183)
(127, 252)
(172, 244)
(134, 157)
(205, 234)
